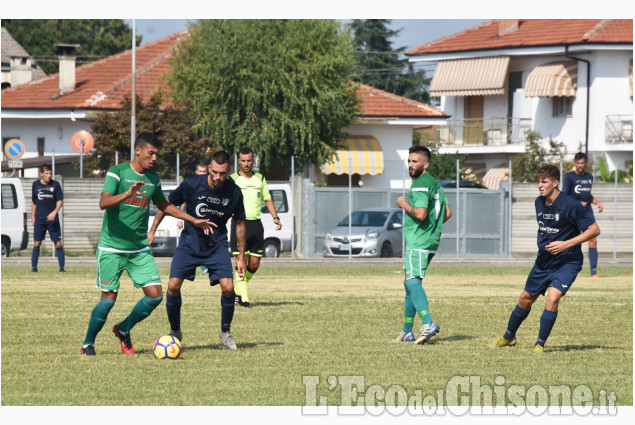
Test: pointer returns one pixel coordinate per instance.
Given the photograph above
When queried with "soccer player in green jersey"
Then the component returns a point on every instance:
(426, 208)
(254, 189)
(123, 243)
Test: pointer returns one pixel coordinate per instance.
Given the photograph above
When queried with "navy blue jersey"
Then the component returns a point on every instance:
(45, 197)
(566, 218)
(217, 206)
(578, 186)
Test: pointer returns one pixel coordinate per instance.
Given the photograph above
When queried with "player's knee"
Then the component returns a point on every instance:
(106, 304)
(153, 302)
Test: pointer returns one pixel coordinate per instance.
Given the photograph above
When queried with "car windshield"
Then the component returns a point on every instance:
(366, 218)
(153, 208)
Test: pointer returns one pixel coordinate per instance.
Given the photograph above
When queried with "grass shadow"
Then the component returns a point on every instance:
(275, 303)
(220, 346)
(579, 347)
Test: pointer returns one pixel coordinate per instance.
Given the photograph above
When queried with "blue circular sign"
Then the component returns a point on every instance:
(14, 149)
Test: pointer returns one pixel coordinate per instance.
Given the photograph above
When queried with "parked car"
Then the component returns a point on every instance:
(14, 231)
(167, 234)
(464, 184)
(375, 232)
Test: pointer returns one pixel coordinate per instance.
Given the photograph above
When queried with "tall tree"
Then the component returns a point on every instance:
(379, 64)
(281, 87)
(97, 38)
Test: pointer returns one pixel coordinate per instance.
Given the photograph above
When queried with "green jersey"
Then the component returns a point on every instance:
(125, 226)
(425, 192)
(254, 191)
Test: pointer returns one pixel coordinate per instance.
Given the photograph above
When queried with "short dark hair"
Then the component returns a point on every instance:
(422, 150)
(579, 155)
(245, 150)
(549, 172)
(220, 157)
(201, 164)
(147, 138)
(45, 167)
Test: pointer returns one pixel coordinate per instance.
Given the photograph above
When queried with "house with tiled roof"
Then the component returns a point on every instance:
(45, 114)
(570, 80)
(17, 66)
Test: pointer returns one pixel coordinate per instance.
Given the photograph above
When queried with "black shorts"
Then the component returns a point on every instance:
(254, 238)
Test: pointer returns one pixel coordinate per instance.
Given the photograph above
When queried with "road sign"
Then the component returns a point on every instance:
(14, 149)
(14, 163)
(86, 137)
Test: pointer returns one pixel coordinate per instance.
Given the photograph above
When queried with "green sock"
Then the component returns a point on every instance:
(140, 311)
(97, 319)
(248, 275)
(419, 299)
(409, 311)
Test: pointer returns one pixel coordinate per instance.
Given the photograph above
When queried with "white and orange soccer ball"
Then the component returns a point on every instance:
(167, 347)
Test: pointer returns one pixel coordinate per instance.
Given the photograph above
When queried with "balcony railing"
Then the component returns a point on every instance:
(618, 129)
(494, 131)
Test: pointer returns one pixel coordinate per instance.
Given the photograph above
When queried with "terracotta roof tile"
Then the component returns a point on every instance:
(533, 32)
(103, 85)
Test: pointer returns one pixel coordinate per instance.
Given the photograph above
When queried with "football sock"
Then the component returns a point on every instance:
(419, 299)
(35, 256)
(97, 319)
(593, 260)
(61, 258)
(241, 284)
(173, 306)
(227, 311)
(236, 288)
(141, 310)
(515, 320)
(248, 274)
(409, 312)
(547, 320)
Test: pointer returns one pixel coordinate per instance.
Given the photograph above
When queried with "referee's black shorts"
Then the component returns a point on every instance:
(254, 238)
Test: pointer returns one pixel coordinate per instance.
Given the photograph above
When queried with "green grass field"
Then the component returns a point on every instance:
(313, 325)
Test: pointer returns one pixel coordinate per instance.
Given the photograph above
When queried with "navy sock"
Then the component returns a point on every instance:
(35, 256)
(547, 320)
(227, 311)
(61, 258)
(173, 305)
(515, 320)
(593, 260)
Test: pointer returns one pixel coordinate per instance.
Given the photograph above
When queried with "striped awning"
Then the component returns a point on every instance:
(470, 77)
(364, 155)
(553, 79)
(630, 79)
(494, 176)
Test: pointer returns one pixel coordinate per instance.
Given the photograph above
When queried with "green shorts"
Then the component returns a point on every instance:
(140, 266)
(416, 262)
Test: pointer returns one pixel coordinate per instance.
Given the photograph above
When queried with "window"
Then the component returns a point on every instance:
(279, 198)
(9, 197)
(40, 146)
(562, 106)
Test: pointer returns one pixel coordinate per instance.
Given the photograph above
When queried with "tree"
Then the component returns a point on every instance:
(281, 87)
(172, 126)
(97, 38)
(525, 165)
(378, 64)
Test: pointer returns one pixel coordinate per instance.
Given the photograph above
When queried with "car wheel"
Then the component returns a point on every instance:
(5, 250)
(386, 250)
(271, 249)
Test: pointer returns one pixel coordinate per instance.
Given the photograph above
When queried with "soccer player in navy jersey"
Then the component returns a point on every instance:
(47, 198)
(216, 198)
(578, 184)
(563, 224)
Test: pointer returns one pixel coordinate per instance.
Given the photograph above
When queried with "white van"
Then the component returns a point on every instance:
(167, 235)
(14, 233)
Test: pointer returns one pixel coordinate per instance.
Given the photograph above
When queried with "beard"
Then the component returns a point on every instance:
(416, 173)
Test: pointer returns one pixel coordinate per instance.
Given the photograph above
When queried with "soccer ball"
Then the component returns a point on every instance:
(167, 347)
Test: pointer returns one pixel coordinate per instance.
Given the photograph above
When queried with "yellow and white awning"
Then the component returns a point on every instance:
(358, 155)
(470, 77)
(495, 176)
(553, 79)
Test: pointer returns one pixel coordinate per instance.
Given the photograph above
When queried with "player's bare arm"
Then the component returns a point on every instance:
(33, 209)
(447, 214)
(108, 200)
(53, 213)
(597, 202)
(417, 213)
(556, 247)
(240, 239)
(272, 210)
(167, 208)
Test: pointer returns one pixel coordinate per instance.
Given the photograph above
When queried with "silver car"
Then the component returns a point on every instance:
(375, 232)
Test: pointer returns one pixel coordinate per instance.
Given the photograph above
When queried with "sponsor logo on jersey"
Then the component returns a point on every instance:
(103, 282)
(548, 216)
(225, 202)
(203, 209)
(579, 189)
(140, 202)
(43, 195)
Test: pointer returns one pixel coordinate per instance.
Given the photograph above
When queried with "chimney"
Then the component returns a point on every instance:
(20, 68)
(505, 26)
(66, 55)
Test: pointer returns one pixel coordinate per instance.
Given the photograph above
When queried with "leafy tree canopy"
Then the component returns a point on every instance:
(525, 165)
(97, 38)
(281, 87)
(379, 65)
(172, 126)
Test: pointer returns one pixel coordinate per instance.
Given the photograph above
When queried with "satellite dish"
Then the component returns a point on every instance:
(86, 137)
